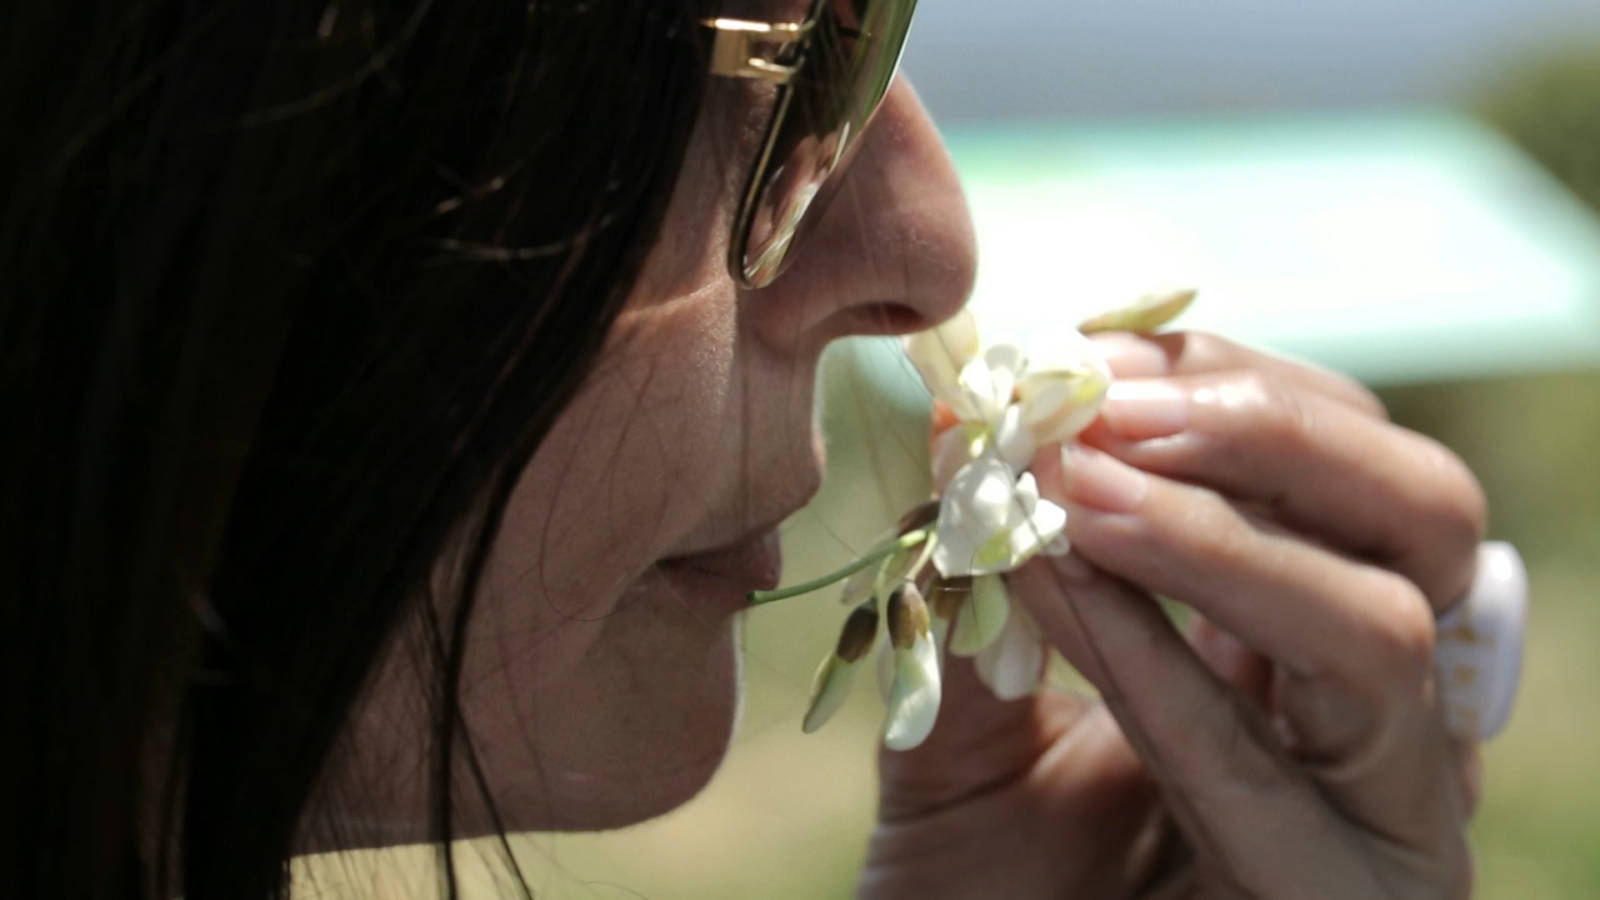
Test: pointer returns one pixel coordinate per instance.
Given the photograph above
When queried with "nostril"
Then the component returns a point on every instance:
(890, 318)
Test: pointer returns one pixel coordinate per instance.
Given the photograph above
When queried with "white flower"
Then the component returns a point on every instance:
(1005, 400)
(995, 407)
(990, 521)
(985, 385)
(1013, 662)
(1060, 392)
(915, 691)
(1007, 649)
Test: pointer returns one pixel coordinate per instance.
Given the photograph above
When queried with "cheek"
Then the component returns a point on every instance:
(633, 728)
(611, 489)
(597, 693)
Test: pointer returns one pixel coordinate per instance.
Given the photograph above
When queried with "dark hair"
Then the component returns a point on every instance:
(291, 291)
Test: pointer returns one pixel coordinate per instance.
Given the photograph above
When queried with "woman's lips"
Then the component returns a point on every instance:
(754, 563)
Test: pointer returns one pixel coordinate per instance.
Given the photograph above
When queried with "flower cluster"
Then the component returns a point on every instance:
(935, 584)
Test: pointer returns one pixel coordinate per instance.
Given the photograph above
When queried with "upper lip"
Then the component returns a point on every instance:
(752, 534)
(767, 524)
(798, 490)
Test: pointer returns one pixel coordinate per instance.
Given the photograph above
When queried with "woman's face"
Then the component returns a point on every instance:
(601, 678)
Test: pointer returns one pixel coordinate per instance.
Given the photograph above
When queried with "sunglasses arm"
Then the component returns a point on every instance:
(735, 43)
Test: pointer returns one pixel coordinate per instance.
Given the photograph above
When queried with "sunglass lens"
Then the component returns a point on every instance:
(849, 62)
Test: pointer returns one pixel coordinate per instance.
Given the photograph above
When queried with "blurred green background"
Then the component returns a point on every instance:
(788, 815)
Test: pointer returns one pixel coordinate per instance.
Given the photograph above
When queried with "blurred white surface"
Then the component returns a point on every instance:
(1052, 58)
(1403, 246)
(1399, 246)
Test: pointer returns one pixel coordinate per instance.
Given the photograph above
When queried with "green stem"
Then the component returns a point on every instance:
(887, 548)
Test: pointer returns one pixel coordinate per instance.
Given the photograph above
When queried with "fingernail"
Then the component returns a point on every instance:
(1103, 482)
(1142, 409)
(1130, 356)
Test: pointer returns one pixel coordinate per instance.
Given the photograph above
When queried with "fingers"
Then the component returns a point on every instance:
(1247, 671)
(1353, 642)
(1471, 765)
(1318, 464)
(1239, 799)
(1299, 604)
(1195, 353)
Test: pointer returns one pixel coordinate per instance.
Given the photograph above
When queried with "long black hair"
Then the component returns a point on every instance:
(289, 293)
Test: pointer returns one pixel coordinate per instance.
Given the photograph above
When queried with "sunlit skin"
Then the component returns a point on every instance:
(1294, 743)
(601, 688)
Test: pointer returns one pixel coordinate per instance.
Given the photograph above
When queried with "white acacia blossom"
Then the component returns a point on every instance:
(937, 578)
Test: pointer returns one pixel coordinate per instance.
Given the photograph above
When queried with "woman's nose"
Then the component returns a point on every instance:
(893, 252)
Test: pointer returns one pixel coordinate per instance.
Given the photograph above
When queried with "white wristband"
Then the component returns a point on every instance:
(1478, 654)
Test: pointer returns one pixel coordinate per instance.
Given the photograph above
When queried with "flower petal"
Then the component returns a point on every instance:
(951, 450)
(940, 353)
(1145, 314)
(914, 695)
(883, 667)
(829, 689)
(981, 392)
(1062, 392)
(978, 515)
(1054, 353)
(1058, 409)
(981, 618)
(941, 638)
(1012, 665)
(1045, 524)
(1006, 358)
(1014, 440)
(1049, 521)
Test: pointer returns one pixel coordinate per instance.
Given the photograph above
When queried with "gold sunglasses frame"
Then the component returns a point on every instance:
(776, 52)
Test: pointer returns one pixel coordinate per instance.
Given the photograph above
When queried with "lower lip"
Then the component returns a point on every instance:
(732, 572)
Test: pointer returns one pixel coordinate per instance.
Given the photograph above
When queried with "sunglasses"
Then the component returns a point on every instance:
(832, 71)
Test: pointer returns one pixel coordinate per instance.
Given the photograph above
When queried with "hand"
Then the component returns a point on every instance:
(1293, 747)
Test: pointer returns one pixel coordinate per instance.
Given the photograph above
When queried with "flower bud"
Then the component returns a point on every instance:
(908, 616)
(831, 685)
(914, 692)
(1143, 315)
(860, 629)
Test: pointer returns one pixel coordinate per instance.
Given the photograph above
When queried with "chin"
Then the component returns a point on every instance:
(639, 731)
(680, 750)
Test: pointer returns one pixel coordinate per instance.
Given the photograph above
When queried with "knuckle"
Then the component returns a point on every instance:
(1279, 414)
(1218, 535)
